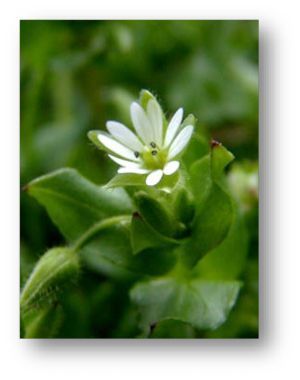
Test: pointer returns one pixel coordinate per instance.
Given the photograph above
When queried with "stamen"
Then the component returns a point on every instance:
(136, 154)
(153, 144)
(154, 152)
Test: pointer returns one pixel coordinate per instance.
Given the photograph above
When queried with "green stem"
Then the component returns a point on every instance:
(96, 228)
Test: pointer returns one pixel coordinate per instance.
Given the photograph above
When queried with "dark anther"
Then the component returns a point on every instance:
(153, 144)
(136, 154)
(154, 152)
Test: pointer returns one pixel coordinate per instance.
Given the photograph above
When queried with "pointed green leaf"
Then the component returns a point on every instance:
(201, 181)
(74, 203)
(198, 147)
(125, 180)
(203, 304)
(210, 226)
(214, 206)
(144, 237)
(184, 207)
(227, 261)
(155, 214)
(220, 158)
(110, 252)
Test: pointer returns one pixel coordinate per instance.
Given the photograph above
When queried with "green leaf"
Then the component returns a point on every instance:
(110, 252)
(211, 225)
(197, 148)
(74, 203)
(201, 181)
(139, 180)
(203, 304)
(78, 207)
(155, 214)
(124, 180)
(143, 236)
(184, 207)
(214, 206)
(56, 268)
(227, 261)
(220, 158)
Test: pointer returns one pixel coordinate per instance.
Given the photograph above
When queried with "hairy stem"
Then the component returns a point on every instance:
(96, 228)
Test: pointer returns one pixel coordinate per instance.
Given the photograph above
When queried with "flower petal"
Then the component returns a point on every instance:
(171, 167)
(154, 177)
(124, 163)
(180, 141)
(154, 113)
(116, 147)
(141, 123)
(124, 135)
(173, 127)
(133, 170)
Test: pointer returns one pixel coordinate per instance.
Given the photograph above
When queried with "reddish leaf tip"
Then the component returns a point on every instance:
(215, 143)
(25, 187)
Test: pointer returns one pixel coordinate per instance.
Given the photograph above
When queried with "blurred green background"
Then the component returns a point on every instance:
(75, 75)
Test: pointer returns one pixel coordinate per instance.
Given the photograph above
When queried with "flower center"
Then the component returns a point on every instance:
(153, 157)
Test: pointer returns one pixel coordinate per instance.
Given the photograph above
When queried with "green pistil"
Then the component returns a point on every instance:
(154, 158)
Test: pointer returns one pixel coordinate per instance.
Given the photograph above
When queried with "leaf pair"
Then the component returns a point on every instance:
(112, 239)
(79, 209)
(213, 205)
(185, 294)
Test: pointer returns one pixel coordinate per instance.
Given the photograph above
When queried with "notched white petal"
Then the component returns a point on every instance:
(124, 163)
(173, 127)
(141, 123)
(180, 141)
(132, 170)
(154, 177)
(124, 135)
(171, 167)
(155, 117)
(115, 147)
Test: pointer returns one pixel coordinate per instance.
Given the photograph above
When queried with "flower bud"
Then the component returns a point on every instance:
(55, 269)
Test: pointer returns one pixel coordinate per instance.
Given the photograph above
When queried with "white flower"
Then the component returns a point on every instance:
(152, 149)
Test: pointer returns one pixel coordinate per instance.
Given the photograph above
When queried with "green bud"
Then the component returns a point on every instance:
(155, 214)
(43, 323)
(56, 268)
